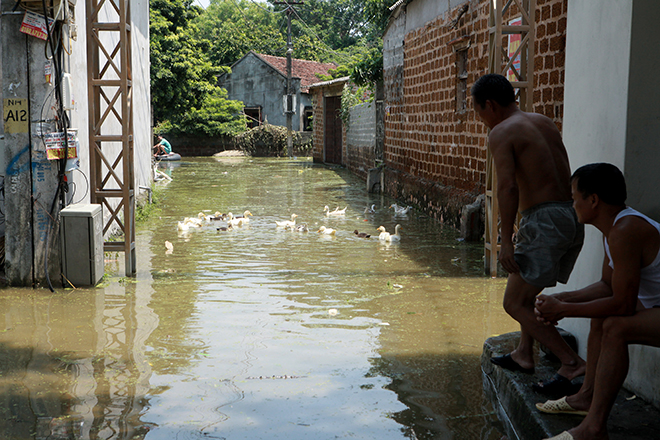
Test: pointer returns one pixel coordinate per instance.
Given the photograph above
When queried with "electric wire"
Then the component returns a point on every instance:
(63, 118)
(346, 58)
(86, 186)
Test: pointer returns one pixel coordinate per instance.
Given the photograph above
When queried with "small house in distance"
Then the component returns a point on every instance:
(259, 81)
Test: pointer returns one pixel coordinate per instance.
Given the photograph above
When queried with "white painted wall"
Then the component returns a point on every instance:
(141, 96)
(611, 115)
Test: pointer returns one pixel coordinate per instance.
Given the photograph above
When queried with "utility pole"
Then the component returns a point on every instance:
(289, 92)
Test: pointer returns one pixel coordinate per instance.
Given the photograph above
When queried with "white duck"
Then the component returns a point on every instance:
(182, 226)
(234, 222)
(336, 212)
(400, 210)
(287, 223)
(326, 231)
(245, 217)
(193, 221)
(396, 236)
(384, 235)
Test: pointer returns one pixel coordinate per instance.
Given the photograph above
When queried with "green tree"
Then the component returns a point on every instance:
(237, 26)
(182, 77)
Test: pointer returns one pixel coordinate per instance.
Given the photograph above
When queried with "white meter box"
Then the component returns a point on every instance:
(81, 233)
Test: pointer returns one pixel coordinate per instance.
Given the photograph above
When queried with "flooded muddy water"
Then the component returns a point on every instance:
(260, 332)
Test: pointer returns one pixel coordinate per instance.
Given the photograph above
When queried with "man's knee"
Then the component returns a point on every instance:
(512, 304)
(614, 328)
(596, 325)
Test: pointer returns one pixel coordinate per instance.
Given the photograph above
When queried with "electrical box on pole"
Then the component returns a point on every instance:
(289, 99)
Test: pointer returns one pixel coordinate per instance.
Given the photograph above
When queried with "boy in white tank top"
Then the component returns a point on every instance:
(624, 302)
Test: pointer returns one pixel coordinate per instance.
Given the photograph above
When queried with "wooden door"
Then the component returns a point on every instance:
(332, 131)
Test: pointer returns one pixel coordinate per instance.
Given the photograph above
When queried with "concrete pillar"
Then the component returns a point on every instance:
(30, 179)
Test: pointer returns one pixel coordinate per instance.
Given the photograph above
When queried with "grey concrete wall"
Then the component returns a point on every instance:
(361, 131)
(420, 12)
(611, 115)
(29, 175)
(256, 83)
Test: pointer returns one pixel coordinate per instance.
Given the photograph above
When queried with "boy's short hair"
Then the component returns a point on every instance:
(603, 179)
(493, 87)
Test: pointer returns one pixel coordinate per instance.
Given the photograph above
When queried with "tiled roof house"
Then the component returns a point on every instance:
(259, 81)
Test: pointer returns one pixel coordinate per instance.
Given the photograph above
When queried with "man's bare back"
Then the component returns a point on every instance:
(540, 162)
(532, 169)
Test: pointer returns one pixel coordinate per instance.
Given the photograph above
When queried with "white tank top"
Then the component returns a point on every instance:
(649, 283)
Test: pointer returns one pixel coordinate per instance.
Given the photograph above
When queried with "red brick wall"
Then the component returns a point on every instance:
(318, 111)
(550, 58)
(436, 156)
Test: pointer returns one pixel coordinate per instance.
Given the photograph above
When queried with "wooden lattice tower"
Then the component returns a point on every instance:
(500, 62)
(111, 120)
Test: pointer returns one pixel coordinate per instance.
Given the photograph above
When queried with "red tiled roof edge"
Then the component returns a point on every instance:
(303, 69)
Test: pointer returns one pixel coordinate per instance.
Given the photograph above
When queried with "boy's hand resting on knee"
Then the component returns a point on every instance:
(548, 309)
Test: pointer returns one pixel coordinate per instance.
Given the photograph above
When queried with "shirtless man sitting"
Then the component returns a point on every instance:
(623, 305)
(533, 177)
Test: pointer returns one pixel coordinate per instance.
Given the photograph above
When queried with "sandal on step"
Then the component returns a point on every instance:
(557, 386)
(508, 363)
(560, 406)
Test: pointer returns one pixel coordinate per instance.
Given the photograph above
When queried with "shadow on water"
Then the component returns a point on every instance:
(261, 332)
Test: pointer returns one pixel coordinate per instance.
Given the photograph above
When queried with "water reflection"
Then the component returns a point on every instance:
(73, 364)
(260, 332)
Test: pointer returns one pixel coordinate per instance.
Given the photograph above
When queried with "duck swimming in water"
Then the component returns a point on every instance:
(335, 213)
(386, 236)
(287, 223)
(400, 210)
(301, 228)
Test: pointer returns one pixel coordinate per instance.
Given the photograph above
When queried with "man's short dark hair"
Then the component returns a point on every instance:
(494, 87)
(603, 179)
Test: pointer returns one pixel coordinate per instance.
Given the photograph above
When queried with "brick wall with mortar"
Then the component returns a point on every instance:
(318, 92)
(435, 156)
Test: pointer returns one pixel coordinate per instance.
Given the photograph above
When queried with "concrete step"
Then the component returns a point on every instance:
(514, 400)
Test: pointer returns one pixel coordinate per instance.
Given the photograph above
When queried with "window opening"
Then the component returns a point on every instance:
(461, 80)
(253, 115)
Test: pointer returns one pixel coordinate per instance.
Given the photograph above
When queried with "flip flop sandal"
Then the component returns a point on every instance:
(508, 363)
(558, 385)
(560, 406)
(563, 436)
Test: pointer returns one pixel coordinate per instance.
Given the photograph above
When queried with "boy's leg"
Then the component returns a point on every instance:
(519, 298)
(582, 400)
(618, 332)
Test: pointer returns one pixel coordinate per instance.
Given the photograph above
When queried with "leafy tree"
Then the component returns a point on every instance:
(237, 26)
(369, 69)
(182, 78)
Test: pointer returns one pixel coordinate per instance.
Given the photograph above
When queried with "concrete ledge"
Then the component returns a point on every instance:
(514, 401)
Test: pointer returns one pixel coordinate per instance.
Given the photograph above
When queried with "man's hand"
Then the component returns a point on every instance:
(548, 309)
(506, 258)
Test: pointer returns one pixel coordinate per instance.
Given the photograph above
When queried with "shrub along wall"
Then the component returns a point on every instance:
(263, 145)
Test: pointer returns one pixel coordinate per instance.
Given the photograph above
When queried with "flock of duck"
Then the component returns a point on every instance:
(232, 222)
